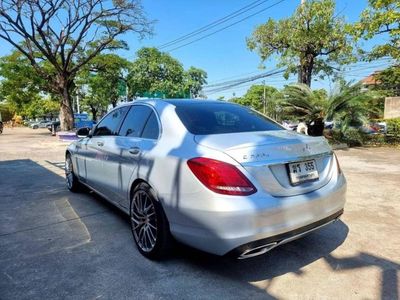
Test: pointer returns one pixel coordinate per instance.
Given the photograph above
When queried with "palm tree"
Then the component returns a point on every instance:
(349, 103)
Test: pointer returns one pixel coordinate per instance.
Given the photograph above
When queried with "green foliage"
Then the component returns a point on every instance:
(393, 128)
(389, 81)
(20, 84)
(40, 107)
(301, 102)
(155, 72)
(353, 137)
(349, 105)
(313, 37)
(7, 112)
(382, 17)
(254, 99)
(103, 77)
(194, 80)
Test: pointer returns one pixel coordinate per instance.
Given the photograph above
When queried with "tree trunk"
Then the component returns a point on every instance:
(66, 112)
(94, 112)
(306, 68)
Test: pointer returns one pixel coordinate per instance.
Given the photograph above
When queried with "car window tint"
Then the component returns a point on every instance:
(109, 125)
(151, 130)
(215, 118)
(135, 121)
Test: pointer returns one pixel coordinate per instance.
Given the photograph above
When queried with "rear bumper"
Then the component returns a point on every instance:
(264, 245)
(232, 224)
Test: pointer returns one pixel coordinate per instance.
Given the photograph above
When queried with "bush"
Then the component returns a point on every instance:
(353, 137)
(393, 127)
(374, 139)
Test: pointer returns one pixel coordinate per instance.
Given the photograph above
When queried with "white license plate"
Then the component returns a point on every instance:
(303, 171)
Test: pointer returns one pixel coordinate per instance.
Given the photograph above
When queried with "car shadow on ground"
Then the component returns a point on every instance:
(111, 234)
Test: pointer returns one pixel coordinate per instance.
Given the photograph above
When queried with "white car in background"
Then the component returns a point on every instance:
(39, 124)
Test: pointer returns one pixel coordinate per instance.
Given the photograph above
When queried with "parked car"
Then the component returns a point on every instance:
(217, 176)
(40, 124)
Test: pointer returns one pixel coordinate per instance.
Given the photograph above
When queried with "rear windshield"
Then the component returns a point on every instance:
(215, 118)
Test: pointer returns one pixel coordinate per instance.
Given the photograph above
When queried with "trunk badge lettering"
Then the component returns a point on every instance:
(255, 156)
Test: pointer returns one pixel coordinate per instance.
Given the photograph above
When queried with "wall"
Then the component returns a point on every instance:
(392, 107)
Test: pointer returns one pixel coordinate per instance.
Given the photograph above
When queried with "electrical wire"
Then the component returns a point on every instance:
(226, 27)
(215, 23)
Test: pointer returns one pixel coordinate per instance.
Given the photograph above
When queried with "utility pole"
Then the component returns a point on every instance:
(77, 103)
(264, 99)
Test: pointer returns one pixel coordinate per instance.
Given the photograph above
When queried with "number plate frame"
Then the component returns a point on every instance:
(299, 172)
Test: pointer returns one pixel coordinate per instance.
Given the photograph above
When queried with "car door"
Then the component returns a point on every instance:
(102, 153)
(132, 147)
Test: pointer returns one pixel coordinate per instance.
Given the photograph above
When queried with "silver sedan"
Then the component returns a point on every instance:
(216, 176)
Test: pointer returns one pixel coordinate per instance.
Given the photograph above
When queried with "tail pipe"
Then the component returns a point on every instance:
(251, 252)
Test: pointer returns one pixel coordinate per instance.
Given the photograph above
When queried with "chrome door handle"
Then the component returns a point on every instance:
(134, 150)
(101, 144)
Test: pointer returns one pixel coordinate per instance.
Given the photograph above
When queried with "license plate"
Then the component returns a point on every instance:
(303, 171)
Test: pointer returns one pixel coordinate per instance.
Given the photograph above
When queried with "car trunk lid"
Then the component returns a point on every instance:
(266, 157)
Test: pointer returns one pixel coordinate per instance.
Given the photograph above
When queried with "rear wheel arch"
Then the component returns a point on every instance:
(137, 182)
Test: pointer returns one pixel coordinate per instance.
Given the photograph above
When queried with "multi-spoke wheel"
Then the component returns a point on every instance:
(73, 183)
(149, 224)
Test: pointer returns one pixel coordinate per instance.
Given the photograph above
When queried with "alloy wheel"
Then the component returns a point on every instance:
(144, 221)
(69, 175)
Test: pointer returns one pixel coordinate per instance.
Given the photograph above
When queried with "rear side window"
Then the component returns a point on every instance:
(151, 130)
(110, 124)
(135, 121)
(215, 118)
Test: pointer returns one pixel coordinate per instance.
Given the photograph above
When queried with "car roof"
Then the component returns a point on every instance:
(179, 102)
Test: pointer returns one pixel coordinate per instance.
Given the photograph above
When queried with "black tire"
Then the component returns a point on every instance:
(149, 224)
(73, 183)
(35, 127)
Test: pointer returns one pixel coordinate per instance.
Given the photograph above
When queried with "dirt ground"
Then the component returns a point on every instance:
(55, 244)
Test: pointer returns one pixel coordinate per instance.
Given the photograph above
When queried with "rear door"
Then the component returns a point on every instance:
(137, 136)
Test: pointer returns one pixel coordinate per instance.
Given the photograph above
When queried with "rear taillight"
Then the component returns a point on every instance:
(221, 177)
(337, 164)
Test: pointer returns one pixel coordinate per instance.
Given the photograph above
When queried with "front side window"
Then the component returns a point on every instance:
(110, 124)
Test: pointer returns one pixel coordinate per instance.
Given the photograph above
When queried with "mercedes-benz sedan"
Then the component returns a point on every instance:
(214, 175)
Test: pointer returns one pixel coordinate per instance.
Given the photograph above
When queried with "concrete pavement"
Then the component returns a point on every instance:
(55, 244)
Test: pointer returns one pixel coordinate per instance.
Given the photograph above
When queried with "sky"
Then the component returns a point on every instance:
(224, 55)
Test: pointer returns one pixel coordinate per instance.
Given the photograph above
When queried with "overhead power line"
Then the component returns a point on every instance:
(226, 27)
(243, 82)
(233, 83)
(215, 23)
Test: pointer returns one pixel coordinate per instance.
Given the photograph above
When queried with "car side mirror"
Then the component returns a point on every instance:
(83, 132)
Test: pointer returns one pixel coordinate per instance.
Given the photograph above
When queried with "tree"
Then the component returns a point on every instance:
(20, 85)
(389, 81)
(195, 79)
(67, 34)
(40, 107)
(349, 103)
(155, 73)
(102, 80)
(158, 74)
(307, 43)
(254, 99)
(381, 18)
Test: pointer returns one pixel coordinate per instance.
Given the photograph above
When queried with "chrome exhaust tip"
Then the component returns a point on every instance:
(257, 250)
